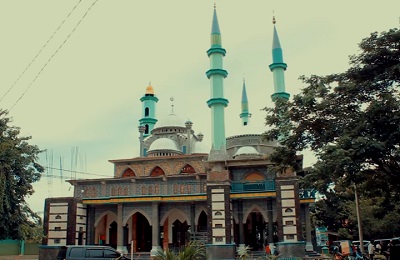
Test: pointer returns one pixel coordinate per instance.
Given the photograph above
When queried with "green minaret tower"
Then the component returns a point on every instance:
(245, 115)
(148, 119)
(216, 74)
(278, 67)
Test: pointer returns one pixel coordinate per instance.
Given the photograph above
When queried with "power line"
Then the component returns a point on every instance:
(51, 57)
(86, 173)
(40, 51)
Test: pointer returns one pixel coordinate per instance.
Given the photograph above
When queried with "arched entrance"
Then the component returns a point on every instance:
(254, 231)
(106, 229)
(179, 234)
(138, 231)
(202, 222)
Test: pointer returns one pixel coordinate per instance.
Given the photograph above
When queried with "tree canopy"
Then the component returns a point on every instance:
(350, 120)
(18, 170)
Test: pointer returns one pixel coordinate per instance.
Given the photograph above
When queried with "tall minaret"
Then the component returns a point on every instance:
(278, 67)
(216, 74)
(245, 115)
(148, 119)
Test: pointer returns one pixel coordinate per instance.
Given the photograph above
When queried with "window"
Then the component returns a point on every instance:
(290, 236)
(94, 253)
(289, 223)
(219, 239)
(218, 225)
(110, 253)
(146, 112)
(218, 213)
(57, 228)
(76, 252)
(58, 217)
(288, 210)
(56, 241)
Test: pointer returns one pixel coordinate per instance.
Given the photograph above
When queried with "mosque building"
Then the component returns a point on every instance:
(180, 188)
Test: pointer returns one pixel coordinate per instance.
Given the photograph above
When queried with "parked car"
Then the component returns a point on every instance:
(89, 253)
(366, 243)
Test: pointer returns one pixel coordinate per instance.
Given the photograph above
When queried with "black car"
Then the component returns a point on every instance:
(89, 253)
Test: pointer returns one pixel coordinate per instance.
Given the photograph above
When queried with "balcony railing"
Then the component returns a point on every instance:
(238, 187)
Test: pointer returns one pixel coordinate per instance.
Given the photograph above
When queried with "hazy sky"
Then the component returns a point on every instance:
(87, 97)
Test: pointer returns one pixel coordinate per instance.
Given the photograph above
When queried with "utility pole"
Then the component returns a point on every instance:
(360, 232)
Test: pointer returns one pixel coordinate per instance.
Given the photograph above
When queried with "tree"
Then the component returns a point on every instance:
(351, 121)
(195, 250)
(18, 170)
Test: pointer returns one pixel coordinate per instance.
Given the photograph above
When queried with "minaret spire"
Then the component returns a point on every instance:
(278, 67)
(216, 74)
(148, 119)
(245, 115)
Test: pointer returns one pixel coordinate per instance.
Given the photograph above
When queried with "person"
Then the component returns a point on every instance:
(276, 252)
(267, 249)
(371, 250)
(389, 249)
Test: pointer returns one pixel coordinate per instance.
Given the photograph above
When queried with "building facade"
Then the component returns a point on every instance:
(180, 189)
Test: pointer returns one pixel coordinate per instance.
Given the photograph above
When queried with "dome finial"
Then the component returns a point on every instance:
(172, 104)
(273, 17)
(215, 4)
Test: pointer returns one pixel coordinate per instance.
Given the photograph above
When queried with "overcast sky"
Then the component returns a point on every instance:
(83, 107)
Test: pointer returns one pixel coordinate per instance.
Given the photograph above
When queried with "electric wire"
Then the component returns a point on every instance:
(72, 171)
(40, 51)
(51, 57)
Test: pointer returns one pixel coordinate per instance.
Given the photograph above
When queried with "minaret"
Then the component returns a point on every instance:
(278, 67)
(216, 74)
(148, 119)
(245, 115)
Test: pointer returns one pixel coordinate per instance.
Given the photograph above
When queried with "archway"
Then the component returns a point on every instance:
(202, 222)
(103, 227)
(138, 232)
(255, 231)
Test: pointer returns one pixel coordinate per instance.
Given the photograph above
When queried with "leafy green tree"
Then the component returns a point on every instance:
(350, 120)
(18, 170)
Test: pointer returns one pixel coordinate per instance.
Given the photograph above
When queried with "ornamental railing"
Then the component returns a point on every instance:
(239, 187)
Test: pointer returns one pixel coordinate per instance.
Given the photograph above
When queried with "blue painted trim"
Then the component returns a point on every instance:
(211, 72)
(246, 114)
(153, 98)
(277, 65)
(216, 49)
(284, 95)
(214, 101)
(147, 120)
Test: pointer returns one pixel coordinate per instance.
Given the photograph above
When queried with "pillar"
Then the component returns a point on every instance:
(270, 224)
(309, 246)
(241, 225)
(90, 228)
(155, 229)
(192, 219)
(120, 230)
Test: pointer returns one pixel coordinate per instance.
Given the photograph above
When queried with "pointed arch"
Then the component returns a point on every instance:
(254, 176)
(133, 212)
(128, 173)
(198, 212)
(174, 214)
(99, 218)
(255, 207)
(188, 169)
(157, 171)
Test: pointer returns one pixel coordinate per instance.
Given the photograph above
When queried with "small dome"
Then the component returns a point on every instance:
(150, 90)
(246, 150)
(163, 144)
(170, 120)
(200, 147)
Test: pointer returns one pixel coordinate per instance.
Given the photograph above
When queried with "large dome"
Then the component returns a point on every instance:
(170, 120)
(246, 150)
(163, 144)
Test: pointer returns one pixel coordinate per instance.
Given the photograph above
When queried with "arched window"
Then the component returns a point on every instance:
(255, 176)
(157, 171)
(188, 169)
(146, 131)
(288, 210)
(128, 173)
(146, 111)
